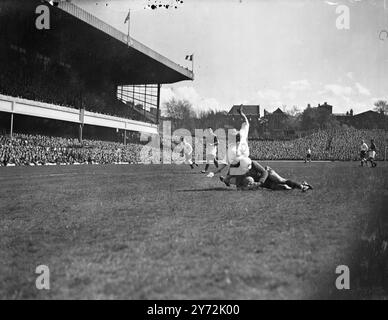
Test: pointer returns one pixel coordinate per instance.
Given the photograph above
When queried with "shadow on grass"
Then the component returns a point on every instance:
(193, 172)
(207, 189)
(233, 189)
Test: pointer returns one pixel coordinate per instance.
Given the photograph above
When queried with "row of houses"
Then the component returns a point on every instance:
(272, 124)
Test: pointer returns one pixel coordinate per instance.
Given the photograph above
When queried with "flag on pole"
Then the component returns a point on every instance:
(190, 58)
(127, 18)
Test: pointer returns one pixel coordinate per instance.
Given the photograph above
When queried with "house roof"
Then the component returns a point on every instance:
(278, 111)
(251, 110)
(368, 113)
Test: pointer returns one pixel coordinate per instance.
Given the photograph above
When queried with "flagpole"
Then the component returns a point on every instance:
(129, 27)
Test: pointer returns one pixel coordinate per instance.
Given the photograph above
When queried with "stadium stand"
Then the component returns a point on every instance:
(68, 65)
(23, 81)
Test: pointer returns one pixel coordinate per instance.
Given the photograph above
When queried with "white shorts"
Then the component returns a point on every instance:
(211, 154)
(212, 151)
(372, 154)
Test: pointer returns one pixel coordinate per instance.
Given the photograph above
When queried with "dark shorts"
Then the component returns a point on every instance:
(273, 185)
(362, 154)
(308, 156)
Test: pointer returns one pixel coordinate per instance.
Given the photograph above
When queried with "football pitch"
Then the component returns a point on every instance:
(168, 232)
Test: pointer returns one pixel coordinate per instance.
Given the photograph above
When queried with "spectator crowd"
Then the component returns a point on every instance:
(26, 149)
(334, 144)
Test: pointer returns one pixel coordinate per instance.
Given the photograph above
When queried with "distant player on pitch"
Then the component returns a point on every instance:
(187, 152)
(308, 156)
(363, 150)
(372, 154)
(211, 150)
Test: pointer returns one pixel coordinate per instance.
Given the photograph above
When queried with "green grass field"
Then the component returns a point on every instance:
(166, 232)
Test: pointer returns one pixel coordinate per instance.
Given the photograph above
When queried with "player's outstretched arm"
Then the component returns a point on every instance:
(241, 112)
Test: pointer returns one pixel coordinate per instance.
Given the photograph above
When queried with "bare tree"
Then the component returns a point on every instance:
(179, 109)
(294, 111)
(381, 106)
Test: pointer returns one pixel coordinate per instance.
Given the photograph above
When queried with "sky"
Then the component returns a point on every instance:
(273, 53)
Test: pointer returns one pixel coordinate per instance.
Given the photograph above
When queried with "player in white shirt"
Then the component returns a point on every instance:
(241, 149)
(187, 152)
(363, 150)
(242, 139)
(238, 153)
